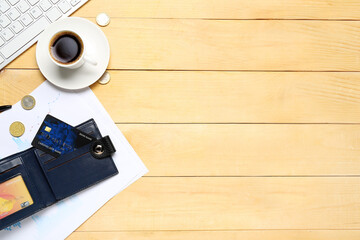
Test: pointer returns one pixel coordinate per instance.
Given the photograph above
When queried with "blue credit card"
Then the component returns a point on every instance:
(57, 137)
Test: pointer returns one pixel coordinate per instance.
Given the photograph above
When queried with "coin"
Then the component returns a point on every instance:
(102, 19)
(105, 79)
(28, 102)
(17, 129)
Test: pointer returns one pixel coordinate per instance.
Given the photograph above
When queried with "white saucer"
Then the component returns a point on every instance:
(97, 47)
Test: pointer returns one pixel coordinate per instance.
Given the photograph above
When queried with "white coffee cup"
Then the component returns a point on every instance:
(67, 50)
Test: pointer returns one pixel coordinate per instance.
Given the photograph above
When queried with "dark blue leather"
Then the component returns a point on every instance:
(50, 179)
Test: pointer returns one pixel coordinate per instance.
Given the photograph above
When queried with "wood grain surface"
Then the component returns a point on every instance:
(228, 203)
(246, 149)
(246, 113)
(216, 235)
(215, 97)
(253, 45)
(225, 9)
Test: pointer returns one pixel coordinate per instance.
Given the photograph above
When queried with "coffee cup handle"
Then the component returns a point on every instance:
(90, 60)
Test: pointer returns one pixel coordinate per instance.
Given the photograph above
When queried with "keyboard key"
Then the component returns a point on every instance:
(33, 2)
(14, 14)
(64, 6)
(74, 2)
(1, 60)
(54, 14)
(13, 2)
(54, 1)
(16, 27)
(26, 19)
(1, 42)
(35, 12)
(4, 21)
(23, 38)
(45, 5)
(4, 6)
(23, 6)
(7, 34)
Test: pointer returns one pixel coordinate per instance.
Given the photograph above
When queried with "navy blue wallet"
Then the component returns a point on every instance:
(50, 179)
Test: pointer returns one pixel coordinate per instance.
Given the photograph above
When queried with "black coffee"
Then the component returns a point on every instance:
(66, 48)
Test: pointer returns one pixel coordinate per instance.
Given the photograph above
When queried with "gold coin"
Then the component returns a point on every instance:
(17, 129)
(28, 102)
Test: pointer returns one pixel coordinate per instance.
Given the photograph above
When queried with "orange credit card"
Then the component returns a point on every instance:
(14, 196)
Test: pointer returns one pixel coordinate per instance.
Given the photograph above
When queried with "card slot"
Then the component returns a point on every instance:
(9, 170)
(8, 165)
(52, 157)
(79, 156)
(13, 172)
(50, 160)
(63, 159)
(43, 156)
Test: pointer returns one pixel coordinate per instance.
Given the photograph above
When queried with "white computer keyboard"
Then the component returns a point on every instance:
(22, 21)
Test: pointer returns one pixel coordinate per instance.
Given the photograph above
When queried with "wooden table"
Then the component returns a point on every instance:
(246, 113)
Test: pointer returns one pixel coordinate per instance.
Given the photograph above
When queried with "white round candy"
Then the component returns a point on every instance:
(105, 79)
(103, 19)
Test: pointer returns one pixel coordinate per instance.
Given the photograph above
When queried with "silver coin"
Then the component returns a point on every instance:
(103, 19)
(28, 102)
(105, 79)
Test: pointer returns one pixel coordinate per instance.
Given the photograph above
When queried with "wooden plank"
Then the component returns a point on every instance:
(214, 97)
(232, 204)
(224, 9)
(14, 84)
(216, 235)
(191, 44)
(246, 150)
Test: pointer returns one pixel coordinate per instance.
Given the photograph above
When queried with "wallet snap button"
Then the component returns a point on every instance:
(98, 149)
(102, 148)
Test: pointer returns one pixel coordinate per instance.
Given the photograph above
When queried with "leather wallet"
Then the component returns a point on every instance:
(49, 179)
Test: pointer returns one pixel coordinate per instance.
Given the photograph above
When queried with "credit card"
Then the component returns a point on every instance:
(14, 196)
(56, 137)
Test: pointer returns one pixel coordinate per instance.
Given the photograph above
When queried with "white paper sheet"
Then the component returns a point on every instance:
(74, 107)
